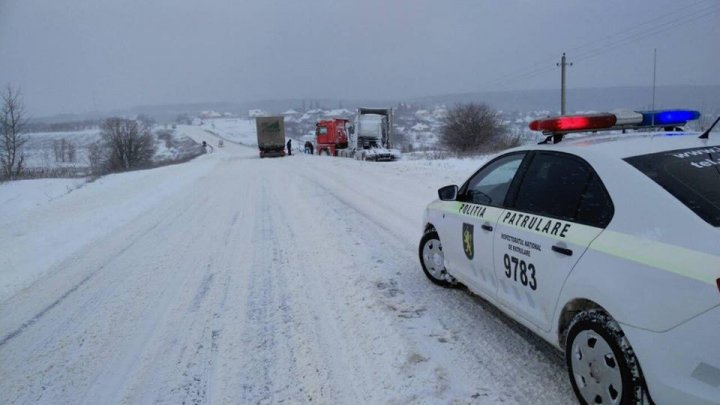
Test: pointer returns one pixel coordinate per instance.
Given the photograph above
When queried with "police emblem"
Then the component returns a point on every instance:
(468, 242)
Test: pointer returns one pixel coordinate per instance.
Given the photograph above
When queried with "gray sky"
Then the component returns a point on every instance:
(82, 55)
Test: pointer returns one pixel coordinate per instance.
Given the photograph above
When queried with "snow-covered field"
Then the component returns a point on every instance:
(40, 149)
(232, 279)
(40, 152)
(238, 130)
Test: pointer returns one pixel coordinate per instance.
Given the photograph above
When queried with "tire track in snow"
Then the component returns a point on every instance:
(55, 303)
(189, 366)
(162, 299)
(359, 352)
(263, 332)
(77, 340)
(133, 239)
(519, 352)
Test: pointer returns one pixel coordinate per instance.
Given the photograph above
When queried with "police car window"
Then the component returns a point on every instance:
(565, 187)
(490, 185)
(690, 175)
(595, 207)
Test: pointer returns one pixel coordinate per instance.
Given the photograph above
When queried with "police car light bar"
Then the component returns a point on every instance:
(616, 120)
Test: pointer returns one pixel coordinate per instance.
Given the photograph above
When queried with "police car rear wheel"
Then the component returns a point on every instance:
(432, 260)
(602, 365)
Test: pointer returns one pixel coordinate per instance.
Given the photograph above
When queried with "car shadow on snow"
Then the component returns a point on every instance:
(548, 351)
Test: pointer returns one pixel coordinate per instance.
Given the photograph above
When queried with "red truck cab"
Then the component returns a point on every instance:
(331, 135)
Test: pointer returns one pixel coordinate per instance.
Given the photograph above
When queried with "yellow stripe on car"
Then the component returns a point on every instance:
(676, 259)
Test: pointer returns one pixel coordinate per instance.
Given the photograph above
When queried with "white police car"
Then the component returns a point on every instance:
(606, 246)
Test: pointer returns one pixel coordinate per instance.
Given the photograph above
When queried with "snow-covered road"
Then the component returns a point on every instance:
(262, 281)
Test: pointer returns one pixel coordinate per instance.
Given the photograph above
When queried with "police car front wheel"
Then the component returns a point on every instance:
(432, 260)
(603, 368)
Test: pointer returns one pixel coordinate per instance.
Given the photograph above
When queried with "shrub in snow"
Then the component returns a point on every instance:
(474, 128)
(126, 144)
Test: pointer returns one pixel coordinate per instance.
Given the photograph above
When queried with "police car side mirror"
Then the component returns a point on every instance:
(448, 193)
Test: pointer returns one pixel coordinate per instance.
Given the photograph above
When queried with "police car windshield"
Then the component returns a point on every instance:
(691, 175)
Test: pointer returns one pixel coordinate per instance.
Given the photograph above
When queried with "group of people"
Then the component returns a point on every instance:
(309, 148)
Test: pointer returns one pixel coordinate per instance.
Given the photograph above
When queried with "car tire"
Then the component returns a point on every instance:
(432, 260)
(601, 363)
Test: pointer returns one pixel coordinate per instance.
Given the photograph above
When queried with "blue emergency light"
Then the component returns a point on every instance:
(668, 117)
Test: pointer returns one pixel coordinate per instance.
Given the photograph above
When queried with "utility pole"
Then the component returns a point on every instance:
(562, 65)
(653, 94)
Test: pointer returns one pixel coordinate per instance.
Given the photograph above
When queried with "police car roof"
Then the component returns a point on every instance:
(619, 145)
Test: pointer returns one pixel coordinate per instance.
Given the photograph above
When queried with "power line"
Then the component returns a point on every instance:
(622, 38)
(642, 35)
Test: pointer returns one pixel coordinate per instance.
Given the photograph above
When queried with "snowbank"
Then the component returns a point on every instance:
(45, 221)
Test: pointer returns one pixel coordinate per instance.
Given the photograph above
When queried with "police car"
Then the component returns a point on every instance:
(605, 245)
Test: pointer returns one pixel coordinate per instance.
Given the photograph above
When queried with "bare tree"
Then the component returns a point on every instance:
(129, 144)
(474, 128)
(71, 152)
(97, 158)
(63, 150)
(13, 125)
(57, 151)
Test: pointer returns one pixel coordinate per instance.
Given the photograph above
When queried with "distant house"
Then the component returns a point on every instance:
(210, 114)
(257, 113)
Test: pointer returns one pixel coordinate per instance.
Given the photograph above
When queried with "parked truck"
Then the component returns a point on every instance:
(370, 135)
(331, 136)
(270, 136)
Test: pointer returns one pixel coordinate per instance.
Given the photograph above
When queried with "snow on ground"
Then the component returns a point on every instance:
(18, 198)
(234, 279)
(238, 130)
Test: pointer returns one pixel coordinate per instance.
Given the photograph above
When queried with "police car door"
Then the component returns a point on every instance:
(471, 228)
(559, 207)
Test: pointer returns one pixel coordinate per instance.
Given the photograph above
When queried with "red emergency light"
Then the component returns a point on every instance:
(568, 123)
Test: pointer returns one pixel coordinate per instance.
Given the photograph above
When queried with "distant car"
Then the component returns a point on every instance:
(606, 246)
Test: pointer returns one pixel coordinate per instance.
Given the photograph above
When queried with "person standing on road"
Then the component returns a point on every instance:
(289, 147)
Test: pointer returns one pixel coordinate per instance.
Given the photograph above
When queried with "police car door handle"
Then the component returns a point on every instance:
(487, 227)
(562, 250)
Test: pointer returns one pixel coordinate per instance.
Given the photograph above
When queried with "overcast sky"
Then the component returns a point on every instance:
(85, 55)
